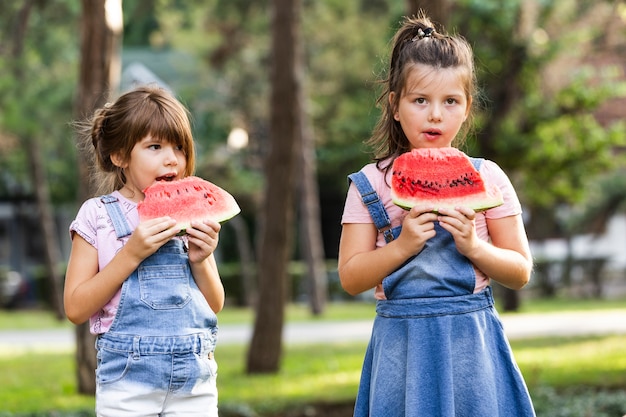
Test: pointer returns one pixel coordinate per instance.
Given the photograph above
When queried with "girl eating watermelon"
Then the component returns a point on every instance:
(150, 297)
(437, 347)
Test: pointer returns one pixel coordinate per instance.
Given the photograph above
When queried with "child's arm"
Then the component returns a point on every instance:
(87, 290)
(506, 259)
(203, 240)
(361, 266)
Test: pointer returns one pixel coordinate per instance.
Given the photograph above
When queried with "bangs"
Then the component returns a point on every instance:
(149, 111)
(163, 127)
(164, 123)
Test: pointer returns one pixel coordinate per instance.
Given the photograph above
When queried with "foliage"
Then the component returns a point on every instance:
(543, 93)
(579, 402)
(215, 54)
(36, 95)
(604, 198)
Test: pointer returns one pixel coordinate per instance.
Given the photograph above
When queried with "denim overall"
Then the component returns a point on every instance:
(437, 349)
(162, 339)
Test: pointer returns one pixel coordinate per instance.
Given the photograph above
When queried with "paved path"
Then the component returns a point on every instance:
(517, 326)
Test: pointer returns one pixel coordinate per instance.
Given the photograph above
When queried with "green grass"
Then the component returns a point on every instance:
(40, 382)
(328, 373)
(598, 362)
(558, 304)
(315, 373)
(30, 320)
(36, 382)
(41, 319)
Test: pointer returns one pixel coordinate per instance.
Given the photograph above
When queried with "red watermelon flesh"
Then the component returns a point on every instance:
(191, 198)
(443, 177)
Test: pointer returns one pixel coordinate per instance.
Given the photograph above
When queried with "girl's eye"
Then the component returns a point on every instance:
(179, 147)
(155, 146)
(420, 100)
(451, 101)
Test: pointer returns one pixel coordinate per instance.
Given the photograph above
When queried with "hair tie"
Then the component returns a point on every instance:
(423, 33)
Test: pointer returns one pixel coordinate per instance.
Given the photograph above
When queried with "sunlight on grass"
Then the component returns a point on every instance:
(560, 305)
(30, 319)
(32, 383)
(35, 381)
(43, 319)
(328, 373)
(308, 373)
(297, 312)
(563, 362)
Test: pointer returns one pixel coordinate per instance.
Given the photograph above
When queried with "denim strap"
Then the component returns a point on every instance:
(373, 204)
(117, 217)
(477, 162)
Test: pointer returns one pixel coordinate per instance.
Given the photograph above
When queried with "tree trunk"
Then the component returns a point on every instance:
(38, 175)
(310, 223)
(47, 223)
(246, 259)
(278, 209)
(99, 75)
(436, 10)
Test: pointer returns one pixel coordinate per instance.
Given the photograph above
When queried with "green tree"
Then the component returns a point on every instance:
(540, 96)
(542, 86)
(34, 95)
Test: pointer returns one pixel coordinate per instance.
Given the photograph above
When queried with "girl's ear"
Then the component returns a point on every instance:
(118, 161)
(392, 105)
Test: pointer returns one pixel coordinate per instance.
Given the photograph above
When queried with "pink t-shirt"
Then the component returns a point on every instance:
(94, 225)
(356, 212)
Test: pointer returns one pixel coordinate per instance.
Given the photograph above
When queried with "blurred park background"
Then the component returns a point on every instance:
(282, 95)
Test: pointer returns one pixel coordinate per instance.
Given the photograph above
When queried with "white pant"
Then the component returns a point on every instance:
(122, 400)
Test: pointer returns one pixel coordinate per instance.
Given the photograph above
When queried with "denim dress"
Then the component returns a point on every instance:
(437, 349)
(163, 336)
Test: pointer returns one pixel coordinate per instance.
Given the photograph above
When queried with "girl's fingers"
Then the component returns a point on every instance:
(458, 212)
(418, 210)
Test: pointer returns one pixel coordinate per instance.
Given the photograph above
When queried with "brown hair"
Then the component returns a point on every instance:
(417, 42)
(117, 127)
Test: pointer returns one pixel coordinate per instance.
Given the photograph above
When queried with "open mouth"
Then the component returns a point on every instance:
(166, 178)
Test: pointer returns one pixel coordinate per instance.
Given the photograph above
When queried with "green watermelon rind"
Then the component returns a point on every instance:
(479, 205)
(183, 226)
(186, 225)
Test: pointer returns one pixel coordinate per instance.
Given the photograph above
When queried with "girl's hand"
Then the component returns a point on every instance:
(203, 238)
(417, 227)
(150, 236)
(88, 288)
(506, 258)
(460, 223)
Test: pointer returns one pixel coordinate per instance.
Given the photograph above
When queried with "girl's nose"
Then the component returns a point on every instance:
(171, 157)
(435, 114)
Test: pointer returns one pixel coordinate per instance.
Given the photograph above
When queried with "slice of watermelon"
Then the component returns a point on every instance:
(191, 198)
(443, 177)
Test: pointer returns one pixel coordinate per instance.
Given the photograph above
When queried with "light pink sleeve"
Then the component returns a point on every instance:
(93, 224)
(492, 173)
(85, 223)
(354, 211)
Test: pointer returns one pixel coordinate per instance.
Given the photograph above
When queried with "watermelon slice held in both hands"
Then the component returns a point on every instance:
(443, 177)
(191, 198)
